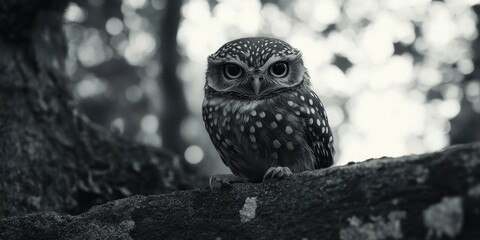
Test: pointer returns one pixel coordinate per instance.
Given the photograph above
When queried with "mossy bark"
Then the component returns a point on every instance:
(51, 157)
(430, 196)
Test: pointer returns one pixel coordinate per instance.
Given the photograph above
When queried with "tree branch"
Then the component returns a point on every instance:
(414, 197)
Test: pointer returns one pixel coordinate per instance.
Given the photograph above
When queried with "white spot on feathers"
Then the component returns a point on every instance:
(290, 146)
(276, 143)
(278, 116)
(288, 130)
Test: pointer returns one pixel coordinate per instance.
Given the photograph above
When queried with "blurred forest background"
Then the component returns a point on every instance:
(396, 76)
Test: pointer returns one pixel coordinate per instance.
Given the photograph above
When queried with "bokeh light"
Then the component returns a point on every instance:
(74, 13)
(194, 154)
(388, 72)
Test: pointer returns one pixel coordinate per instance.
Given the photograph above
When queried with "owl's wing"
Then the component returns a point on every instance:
(318, 132)
(228, 151)
(216, 125)
(231, 154)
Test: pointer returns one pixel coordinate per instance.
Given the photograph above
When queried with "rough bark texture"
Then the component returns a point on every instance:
(52, 158)
(431, 196)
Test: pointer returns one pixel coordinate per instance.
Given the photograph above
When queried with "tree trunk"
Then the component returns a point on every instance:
(52, 158)
(175, 105)
(431, 196)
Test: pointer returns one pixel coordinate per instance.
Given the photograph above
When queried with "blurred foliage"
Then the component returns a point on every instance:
(392, 74)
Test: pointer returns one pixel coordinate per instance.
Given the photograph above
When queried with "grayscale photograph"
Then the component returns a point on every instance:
(239, 119)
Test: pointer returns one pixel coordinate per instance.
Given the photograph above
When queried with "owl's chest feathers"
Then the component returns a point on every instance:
(260, 127)
(238, 113)
(251, 136)
(224, 107)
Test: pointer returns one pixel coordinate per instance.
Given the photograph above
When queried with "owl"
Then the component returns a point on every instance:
(261, 113)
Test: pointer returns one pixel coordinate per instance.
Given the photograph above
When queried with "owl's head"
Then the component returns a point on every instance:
(255, 68)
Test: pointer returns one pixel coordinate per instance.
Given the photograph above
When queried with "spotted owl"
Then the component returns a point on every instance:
(261, 113)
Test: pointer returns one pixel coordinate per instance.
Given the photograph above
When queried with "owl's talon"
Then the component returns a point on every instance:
(269, 173)
(276, 173)
(223, 180)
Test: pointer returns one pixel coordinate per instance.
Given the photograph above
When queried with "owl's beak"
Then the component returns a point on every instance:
(256, 84)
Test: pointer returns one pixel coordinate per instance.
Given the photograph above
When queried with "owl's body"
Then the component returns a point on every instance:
(260, 114)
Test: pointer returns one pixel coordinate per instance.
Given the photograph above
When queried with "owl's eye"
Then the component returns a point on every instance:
(279, 69)
(232, 71)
